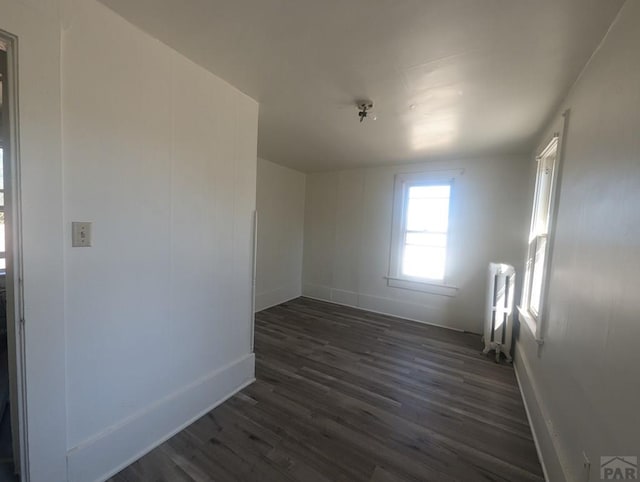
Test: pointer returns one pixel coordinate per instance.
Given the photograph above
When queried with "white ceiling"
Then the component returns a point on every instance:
(482, 76)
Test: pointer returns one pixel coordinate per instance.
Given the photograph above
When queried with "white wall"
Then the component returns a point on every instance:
(38, 28)
(582, 384)
(348, 233)
(130, 339)
(161, 156)
(280, 205)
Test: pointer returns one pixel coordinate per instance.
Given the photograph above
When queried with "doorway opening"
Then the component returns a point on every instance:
(12, 420)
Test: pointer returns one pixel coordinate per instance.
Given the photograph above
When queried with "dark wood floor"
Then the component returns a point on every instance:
(347, 395)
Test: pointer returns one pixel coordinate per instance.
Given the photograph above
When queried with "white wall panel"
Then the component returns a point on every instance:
(582, 382)
(37, 26)
(161, 156)
(280, 204)
(348, 234)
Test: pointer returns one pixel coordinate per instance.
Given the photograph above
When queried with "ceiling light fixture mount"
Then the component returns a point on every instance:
(364, 106)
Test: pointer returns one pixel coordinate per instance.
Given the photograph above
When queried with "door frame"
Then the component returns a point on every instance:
(14, 261)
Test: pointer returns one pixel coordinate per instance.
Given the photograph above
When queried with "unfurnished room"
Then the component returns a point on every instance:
(296, 240)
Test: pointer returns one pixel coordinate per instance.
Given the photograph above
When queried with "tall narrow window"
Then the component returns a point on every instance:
(2, 249)
(424, 233)
(420, 231)
(538, 249)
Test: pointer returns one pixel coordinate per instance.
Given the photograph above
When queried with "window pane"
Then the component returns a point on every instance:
(526, 285)
(435, 191)
(428, 208)
(425, 236)
(537, 274)
(424, 262)
(540, 220)
(546, 166)
(427, 239)
(3, 262)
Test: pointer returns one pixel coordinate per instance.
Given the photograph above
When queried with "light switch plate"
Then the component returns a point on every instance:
(80, 234)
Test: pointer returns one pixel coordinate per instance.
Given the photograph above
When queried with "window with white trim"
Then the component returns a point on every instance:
(537, 260)
(2, 249)
(420, 232)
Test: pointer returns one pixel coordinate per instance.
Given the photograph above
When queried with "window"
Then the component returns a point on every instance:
(3, 260)
(424, 231)
(420, 235)
(538, 249)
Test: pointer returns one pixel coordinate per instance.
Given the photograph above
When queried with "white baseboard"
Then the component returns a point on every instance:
(375, 304)
(274, 297)
(543, 437)
(110, 451)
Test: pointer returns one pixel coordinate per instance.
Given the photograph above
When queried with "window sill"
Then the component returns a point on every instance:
(423, 286)
(530, 322)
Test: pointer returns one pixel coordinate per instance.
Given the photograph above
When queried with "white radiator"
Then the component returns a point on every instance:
(498, 320)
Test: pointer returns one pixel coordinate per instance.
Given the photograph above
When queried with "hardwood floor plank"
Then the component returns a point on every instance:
(348, 395)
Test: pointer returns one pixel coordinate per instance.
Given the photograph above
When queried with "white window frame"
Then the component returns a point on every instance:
(402, 183)
(3, 254)
(534, 319)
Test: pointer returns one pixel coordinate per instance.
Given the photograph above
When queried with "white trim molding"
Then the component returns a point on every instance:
(542, 429)
(535, 318)
(277, 295)
(423, 286)
(428, 314)
(530, 322)
(402, 183)
(108, 452)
